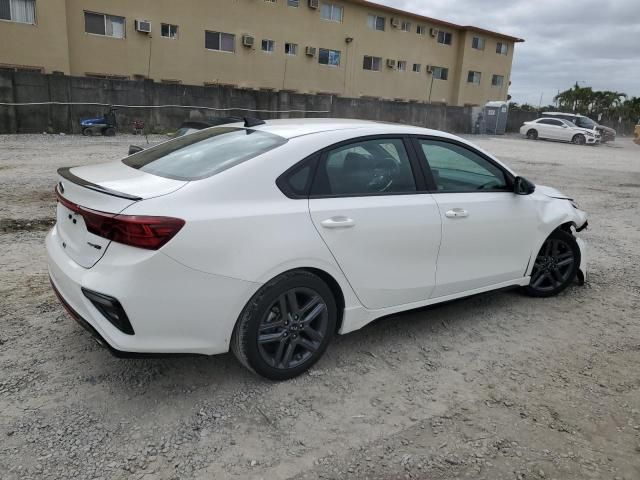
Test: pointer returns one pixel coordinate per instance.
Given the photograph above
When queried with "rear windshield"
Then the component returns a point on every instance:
(204, 153)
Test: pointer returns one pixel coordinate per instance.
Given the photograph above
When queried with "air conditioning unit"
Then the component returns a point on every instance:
(395, 23)
(314, 3)
(434, 32)
(429, 69)
(391, 63)
(248, 40)
(143, 26)
(311, 51)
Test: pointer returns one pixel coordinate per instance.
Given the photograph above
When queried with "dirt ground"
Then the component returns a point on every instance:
(498, 386)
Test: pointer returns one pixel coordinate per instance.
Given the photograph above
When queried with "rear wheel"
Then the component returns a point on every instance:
(556, 265)
(87, 132)
(286, 327)
(579, 139)
(532, 134)
(109, 132)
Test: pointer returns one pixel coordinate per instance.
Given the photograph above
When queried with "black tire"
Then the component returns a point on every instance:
(280, 347)
(87, 132)
(532, 134)
(556, 265)
(109, 132)
(579, 139)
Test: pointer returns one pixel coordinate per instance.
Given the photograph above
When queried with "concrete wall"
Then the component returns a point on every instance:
(34, 87)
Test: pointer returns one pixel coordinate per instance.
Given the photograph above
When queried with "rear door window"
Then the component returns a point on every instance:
(370, 167)
(204, 153)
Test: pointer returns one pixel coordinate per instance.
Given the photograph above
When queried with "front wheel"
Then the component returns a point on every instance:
(556, 265)
(579, 139)
(286, 327)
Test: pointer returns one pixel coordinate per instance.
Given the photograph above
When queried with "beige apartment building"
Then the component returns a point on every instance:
(352, 48)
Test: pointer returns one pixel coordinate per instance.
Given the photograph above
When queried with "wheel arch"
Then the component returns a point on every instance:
(335, 288)
(342, 293)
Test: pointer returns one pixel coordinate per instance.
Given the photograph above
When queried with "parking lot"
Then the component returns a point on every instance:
(498, 386)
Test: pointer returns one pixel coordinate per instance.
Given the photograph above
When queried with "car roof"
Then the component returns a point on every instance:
(298, 127)
(562, 113)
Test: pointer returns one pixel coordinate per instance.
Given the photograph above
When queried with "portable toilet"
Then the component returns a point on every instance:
(495, 117)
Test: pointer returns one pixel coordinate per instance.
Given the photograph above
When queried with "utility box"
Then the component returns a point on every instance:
(495, 118)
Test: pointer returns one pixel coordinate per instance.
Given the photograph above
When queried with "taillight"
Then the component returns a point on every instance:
(134, 230)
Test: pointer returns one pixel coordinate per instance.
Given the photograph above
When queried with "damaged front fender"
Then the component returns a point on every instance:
(556, 210)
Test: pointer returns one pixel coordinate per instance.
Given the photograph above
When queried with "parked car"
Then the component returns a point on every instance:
(190, 127)
(556, 129)
(105, 125)
(269, 238)
(606, 134)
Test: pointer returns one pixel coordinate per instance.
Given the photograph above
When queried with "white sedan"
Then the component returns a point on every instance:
(269, 238)
(558, 129)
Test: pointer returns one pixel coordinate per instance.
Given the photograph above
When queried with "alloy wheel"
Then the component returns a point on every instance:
(293, 328)
(553, 265)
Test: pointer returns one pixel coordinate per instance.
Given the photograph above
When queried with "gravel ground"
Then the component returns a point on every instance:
(498, 386)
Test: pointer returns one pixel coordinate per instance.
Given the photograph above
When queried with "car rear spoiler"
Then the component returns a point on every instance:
(65, 173)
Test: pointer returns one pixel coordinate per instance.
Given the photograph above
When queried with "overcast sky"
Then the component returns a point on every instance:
(591, 41)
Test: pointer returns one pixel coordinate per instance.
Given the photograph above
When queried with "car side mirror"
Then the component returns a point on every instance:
(134, 149)
(522, 186)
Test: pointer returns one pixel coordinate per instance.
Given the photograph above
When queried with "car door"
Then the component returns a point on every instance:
(548, 129)
(561, 130)
(376, 218)
(486, 228)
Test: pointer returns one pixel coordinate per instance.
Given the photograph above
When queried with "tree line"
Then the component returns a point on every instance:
(595, 104)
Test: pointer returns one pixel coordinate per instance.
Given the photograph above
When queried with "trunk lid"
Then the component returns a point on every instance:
(109, 188)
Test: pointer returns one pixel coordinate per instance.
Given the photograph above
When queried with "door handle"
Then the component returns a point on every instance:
(456, 213)
(338, 222)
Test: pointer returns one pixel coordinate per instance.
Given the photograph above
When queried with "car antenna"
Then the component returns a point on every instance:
(250, 122)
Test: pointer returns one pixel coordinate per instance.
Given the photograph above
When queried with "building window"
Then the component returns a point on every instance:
(268, 46)
(502, 48)
(421, 30)
(291, 48)
(376, 22)
(20, 11)
(445, 38)
(405, 26)
(402, 65)
(331, 12)
(270, 1)
(440, 73)
(223, 42)
(477, 43)
(372, 63)
(497, 81)
(417, 67)
(293, 3)
(474, 77)
(329, 57)
(170, 81)
(101, 24)
(169, 31)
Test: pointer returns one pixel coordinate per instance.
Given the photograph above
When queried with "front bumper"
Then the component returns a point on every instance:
(582, 270)
(172, 308)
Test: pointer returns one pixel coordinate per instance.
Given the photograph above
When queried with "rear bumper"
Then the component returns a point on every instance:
(172, 308)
